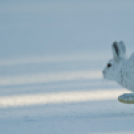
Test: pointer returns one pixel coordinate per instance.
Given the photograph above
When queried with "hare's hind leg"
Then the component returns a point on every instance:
(127, 98)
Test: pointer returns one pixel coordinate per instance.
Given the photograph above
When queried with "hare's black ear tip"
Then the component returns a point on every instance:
(115, 47)
(114, 43)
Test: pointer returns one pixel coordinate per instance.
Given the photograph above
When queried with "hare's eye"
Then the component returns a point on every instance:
(109, 65)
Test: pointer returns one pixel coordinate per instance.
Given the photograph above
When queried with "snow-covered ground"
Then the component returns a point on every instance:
(51, 58)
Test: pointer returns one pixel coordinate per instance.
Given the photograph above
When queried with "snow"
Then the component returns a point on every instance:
(51, 57)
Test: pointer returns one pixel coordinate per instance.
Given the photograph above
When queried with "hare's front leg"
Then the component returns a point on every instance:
(127, 98)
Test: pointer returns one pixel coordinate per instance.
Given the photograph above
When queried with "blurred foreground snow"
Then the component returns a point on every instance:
(71, 98)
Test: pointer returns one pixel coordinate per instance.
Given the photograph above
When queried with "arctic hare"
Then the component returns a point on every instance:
(121, 70)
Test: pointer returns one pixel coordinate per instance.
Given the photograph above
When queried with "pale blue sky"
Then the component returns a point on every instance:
(39, 28)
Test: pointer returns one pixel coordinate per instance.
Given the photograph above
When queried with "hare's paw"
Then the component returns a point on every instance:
(127, 98)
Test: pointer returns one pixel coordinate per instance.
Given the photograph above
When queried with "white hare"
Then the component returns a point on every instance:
(121, 70)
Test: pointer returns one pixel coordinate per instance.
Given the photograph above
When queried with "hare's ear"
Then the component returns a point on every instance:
(119, 50)
(115, 50)
(122, 49)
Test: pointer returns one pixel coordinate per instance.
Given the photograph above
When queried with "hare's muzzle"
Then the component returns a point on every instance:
(103, 72)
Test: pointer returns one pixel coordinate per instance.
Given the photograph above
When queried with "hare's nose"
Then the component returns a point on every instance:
(103, 72)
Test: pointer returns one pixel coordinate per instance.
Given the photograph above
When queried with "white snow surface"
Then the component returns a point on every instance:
(51, 57)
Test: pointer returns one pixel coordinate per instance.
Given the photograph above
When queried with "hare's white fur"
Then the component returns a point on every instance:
(119, 68)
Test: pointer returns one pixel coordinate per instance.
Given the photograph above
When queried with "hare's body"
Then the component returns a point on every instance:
(121, 70)
(126, 75)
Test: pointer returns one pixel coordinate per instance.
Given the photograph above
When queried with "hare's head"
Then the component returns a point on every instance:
(113, 67)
